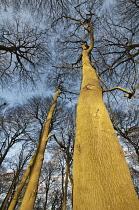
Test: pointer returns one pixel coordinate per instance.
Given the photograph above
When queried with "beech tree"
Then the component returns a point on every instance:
(14, 129)
(63, 145)
(101, 176)
(22, 50)
(48, 173)
(30, 193)
(97, 151)
(36, 161)
(18, 167)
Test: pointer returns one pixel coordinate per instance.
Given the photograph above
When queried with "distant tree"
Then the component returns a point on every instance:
(49, 170)
(23, 50)
(14, 129)
(65, 145)
(118, 48)
(48, 179)
(18, 167)
(21, 184)
(23, 123)
(56, 200)
(126, 125)
(37, 108)
(38, 7)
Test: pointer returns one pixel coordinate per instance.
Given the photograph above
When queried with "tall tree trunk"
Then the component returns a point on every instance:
(47, 186)
(21, 184)
(46, 198)
(31, 191)
(66, 186)
(101, 176)
(71, 182)
(5, 153)
(9, 194)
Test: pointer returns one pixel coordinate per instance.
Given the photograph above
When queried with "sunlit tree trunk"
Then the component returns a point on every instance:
(31, 191)
(21, 184)
(9, 194)
(101, 175)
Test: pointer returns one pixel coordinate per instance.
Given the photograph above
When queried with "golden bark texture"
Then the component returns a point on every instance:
(31, 191)
(8, 196)
(21, 184)
(102, 179)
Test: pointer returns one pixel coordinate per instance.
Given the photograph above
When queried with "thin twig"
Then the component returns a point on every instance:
(130, 94)
(67, 67)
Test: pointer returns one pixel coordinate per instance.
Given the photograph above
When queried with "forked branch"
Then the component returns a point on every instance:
(88, 26)
(130, 93)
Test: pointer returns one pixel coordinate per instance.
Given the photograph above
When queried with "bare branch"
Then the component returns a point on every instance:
(80, 21)
(59, 143)
(67, 67)
(130, 94)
